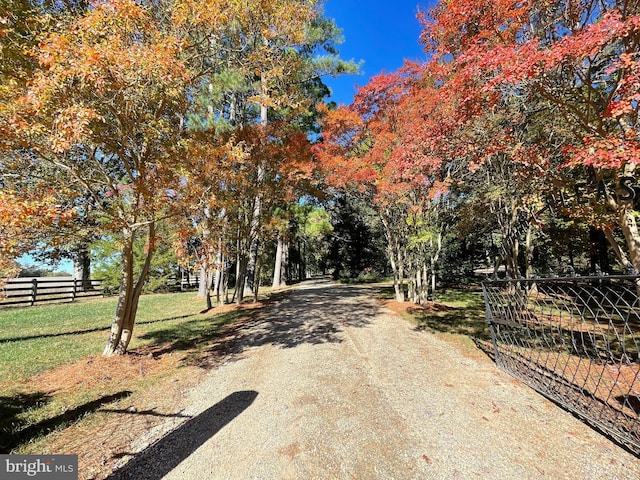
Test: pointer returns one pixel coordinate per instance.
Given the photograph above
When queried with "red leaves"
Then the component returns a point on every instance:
(456, 25)
(385, 143)
(484, 49)
(611, 152)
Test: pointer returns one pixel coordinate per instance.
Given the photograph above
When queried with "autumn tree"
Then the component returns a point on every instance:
(579, 61)
(374, 146)
(521, 102)
(103, 111)
(23, 218)
(30, 209)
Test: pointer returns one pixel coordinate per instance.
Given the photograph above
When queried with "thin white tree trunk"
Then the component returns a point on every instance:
(419, 285)
(277, 269)
(435, 256)
(202, 280)
(82, 268)
(425, 284)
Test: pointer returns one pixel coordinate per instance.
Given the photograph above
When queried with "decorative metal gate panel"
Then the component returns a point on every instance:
(575, 340)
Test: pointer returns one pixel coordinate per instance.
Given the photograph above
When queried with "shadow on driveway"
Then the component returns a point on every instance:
(160, 458)
(313, 314)
(316, 312)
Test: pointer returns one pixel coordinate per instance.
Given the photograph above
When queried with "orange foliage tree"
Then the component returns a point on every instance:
(23, 221)
(105, 110)
(286, 47)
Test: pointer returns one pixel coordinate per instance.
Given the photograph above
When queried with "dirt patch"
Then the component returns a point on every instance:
(107, 372)
(102, 439)
(412, 308)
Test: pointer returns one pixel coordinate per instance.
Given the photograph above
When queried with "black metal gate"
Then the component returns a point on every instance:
(575, 340)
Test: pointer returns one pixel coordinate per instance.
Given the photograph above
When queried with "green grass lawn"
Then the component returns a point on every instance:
(457, 311)
(35, 339)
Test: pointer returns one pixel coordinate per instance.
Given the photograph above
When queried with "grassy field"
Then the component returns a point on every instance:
(51, 370)
(458, 312)
(36, 339)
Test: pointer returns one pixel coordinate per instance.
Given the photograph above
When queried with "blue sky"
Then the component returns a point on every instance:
(381, 33)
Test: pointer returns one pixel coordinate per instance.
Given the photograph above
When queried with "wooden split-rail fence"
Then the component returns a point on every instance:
(35, 290)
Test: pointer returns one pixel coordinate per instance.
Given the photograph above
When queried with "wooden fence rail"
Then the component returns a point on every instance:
(29, 291)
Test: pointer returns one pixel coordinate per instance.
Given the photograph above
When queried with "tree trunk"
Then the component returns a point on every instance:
(219, 272)
(303, 260)
(277, 269)
(208, 280)
(435, 256)
(528, 253)
(620, 255)
(241, 275)
(217, 284)
(424, 294)
(433, 283)
(412, 284)
(254, 233)
(512, 250)
(397, 265)
(252, 261)
(396, 259)
(286, 278)
(202, 286)
(256, 286)
(497, 261)
(629, 228)
(599, 254)
(398, 284)
(627, 222)
(130, 291)
(82, 268)
(398, 273)
(225, 285)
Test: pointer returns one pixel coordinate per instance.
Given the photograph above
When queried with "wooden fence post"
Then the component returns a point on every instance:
(74, 290)
(34, 291)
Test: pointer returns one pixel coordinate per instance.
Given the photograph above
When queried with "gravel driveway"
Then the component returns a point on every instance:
(330, 385)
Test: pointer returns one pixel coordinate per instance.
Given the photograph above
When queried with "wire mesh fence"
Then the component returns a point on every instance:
(575, 340)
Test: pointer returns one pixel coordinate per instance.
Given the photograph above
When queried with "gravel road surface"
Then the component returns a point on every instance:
(331, 385)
